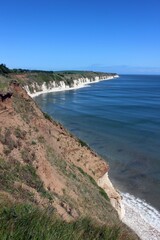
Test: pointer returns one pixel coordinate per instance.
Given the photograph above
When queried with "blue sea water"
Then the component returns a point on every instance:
(120, 120)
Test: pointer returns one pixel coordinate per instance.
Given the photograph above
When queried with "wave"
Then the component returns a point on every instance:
(141, 217)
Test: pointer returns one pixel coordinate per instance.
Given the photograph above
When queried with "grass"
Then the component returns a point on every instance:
(3, 86)
(20, 133)
(24, 108)
(101, 191)
(7, 140)
(13, 171)
(3, 83)
(25, 222)
(83, 185)
(56, 160)
(86, 185)
(27, 156)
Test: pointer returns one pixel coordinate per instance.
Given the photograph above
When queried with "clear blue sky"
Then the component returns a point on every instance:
(118, 36)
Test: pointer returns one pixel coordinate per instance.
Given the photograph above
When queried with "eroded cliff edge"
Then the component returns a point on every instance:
(47, 166)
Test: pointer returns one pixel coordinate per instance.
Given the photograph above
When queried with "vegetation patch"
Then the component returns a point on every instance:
(47, 116)
(101, 191)
(7, 140)
(27, 155)
(4, 69)
(13, 171)
(26, 222)
(24, 107)
(82, 143)
(41, 139)
(56, 160)
(20, 133)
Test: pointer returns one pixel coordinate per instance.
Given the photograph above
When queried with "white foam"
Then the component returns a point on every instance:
(141, 217)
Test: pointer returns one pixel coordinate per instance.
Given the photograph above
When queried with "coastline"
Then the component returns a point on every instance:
(141, 217)
(66, 88)
(135, 220)
(104, 181)
(146, 227)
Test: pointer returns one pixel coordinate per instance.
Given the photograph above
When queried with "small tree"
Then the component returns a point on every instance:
(4, 69)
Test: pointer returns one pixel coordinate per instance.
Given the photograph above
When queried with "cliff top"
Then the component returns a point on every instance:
(27, 77)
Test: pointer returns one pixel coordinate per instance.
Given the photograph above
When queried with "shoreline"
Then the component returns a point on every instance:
(141, 217)
(67, 88)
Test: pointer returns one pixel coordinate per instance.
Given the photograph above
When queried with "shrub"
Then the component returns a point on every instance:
(47, 117)
(20, 133)
(7, 140)
(82, 143)
(4, 69)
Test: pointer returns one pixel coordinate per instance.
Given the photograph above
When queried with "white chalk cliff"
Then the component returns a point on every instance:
(35, 89)
(115, 198)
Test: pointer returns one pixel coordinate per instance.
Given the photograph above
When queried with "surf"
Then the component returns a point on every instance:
(141, 217)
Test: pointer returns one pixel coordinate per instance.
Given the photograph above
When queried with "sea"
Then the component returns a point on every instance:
(120, 120)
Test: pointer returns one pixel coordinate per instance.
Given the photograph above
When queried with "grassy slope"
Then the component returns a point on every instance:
(28, 222)
(27, 136)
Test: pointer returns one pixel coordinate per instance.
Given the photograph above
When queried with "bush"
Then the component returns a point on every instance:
(47, 117)
(82, 143)
(4, 69)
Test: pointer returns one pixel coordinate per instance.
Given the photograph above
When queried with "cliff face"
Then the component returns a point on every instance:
(43, 164)
(36, 88)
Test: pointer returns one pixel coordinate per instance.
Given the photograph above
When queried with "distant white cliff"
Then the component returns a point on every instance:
(35, 89)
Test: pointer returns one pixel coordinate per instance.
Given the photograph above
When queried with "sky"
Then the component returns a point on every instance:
(119, 36)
